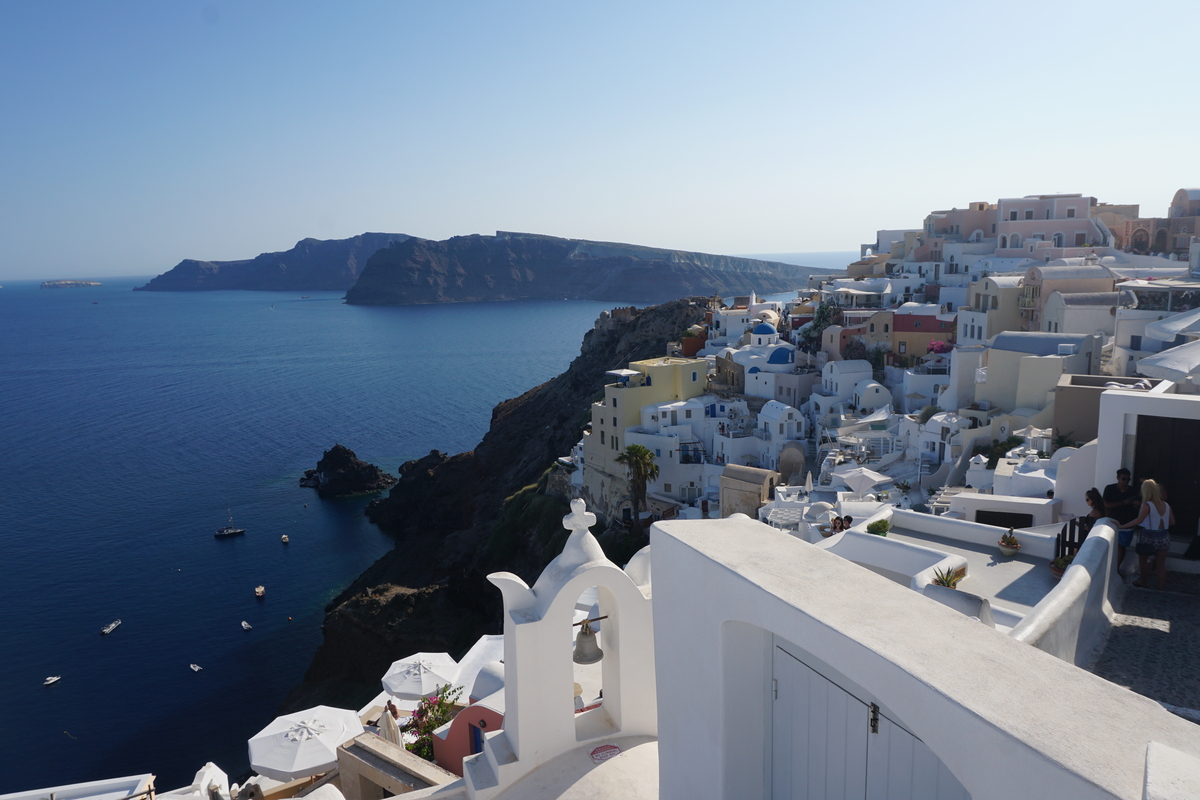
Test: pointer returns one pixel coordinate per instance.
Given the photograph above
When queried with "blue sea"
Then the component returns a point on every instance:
(132, 424)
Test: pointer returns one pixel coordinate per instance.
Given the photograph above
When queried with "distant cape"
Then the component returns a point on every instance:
(312, 265)
(524, 266)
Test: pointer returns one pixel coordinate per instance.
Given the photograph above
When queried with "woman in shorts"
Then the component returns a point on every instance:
(1154, 540)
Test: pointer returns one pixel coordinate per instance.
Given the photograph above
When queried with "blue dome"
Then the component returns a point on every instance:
(754, 370)
(781, 355)
(765, 329)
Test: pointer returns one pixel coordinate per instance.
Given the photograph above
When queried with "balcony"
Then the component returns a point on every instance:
(1026, 302)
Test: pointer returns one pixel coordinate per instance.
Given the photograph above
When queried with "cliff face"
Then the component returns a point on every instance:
(458, 518)
(312, 265)
(517, 266)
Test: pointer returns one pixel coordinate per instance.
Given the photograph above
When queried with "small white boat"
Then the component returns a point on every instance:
(110, 627)
(52, 679)
(246, 625)
(260, 591)
(195, 667)
(284, 538)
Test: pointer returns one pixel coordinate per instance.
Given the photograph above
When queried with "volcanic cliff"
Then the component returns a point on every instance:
(313, 265)
(523, 266)
(458, 518)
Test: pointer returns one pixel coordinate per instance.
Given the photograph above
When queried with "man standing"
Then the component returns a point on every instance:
(1122, 502)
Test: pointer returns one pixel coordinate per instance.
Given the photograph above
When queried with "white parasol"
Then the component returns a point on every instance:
(808, 483)
(1175, 364)
(389, 729)
(859, 479)
(304, 743)
(420, 675)
(1182, 324)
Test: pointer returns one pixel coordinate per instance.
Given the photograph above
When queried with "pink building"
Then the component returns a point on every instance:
(1047, 226)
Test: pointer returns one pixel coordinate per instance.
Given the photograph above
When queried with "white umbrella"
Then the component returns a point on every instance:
(808, 483)
(1175, 364)
(859, 479)
(420, 674)
(389, 729)
(304, 743)
(1165, 330)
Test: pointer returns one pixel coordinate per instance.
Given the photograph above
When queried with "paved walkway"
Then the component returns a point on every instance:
(1154, 645)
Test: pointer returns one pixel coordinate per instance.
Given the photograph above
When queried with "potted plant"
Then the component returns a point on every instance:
(1009, 545)
(903, 487)
(1059, 565)
(879, 527)
(948, 578)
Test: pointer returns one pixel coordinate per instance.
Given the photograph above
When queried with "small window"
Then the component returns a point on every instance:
(1047, 213)
(1029, 215)
(667, 488)
(1070, 213)
(601, 437)
(993, 227)
(614, 422)
(885, 327)
(693, 377)
(687, 413)
(781, 427)
(1135, 342)
(872, 327)
(657, 453)
(1012, 216)
(614, 402)
(903, 348)
(1080, 239)
(722, 409)
(916, 324)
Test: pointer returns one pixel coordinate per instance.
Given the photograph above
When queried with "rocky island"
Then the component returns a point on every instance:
(340, 473)
(457, 518)
(524, 266)
(312, 265)
(69, 284)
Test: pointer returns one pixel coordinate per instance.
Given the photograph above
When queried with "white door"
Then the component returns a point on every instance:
(819, 742)
(823, 745)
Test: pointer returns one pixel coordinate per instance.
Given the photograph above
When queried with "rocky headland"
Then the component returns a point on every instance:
(340, 473)
(522, 266)
(312, 265)
(457, 518)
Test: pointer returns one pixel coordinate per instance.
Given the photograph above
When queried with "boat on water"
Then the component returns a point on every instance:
(52, 679)
(284, 538)
(246, 625)
(229, 530)
(195, 667)
(260, 591)
(110, 627)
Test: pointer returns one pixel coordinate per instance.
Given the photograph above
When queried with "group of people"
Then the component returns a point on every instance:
(839, 524)
(1143, 513)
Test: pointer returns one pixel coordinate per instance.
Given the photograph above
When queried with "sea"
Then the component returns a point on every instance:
(134, 424)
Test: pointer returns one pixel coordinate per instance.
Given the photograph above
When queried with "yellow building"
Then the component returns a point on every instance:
(656, 380)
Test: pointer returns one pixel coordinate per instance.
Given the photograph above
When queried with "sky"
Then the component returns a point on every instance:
(137, 134)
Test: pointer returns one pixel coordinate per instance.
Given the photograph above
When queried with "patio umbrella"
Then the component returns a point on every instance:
(1175, 364)
(860, 479)
(420, 674)
(304, 743)
(389, 729)
(808, 483)
(1165, 330)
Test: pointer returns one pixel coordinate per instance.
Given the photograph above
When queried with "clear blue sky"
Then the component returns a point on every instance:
(135, 134)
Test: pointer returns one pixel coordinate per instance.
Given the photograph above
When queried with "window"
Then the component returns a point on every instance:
(1080, 239)
(916, 324)
(601, 437)
(614, 422)
(687, 413)
(1029, 214)
(1012, 216)
(667, 488)
(1047, 213)
(722, 409)
(693, 377)
(657, 453)
(614, 402)
(993, 227)
(1135, 342)
(1070, 213)
(885, 327)
(903, 348)
(781, 428)
(872, 327)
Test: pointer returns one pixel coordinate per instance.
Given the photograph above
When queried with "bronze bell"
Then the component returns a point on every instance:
(587, 651)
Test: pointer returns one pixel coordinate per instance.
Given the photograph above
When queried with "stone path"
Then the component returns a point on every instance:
(1154, 645)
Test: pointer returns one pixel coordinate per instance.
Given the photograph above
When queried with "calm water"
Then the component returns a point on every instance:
(128, 426)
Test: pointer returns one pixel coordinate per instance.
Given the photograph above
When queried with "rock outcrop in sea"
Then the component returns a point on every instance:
(313, 265)
(522, 266)
(340, 473)
(457, 518)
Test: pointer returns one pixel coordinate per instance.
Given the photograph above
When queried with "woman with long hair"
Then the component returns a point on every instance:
(1154, 540)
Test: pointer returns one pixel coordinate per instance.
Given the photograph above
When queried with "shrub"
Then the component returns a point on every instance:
(431, 713)
(879, 527)
(926, 413)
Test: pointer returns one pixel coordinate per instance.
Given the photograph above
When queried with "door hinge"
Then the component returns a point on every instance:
(775, 688)
(874, 718)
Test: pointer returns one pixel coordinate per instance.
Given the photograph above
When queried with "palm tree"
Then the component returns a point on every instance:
(642, 469)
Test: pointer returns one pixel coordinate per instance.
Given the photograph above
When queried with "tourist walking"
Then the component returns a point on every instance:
(1121, 501)
(1154, 540)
